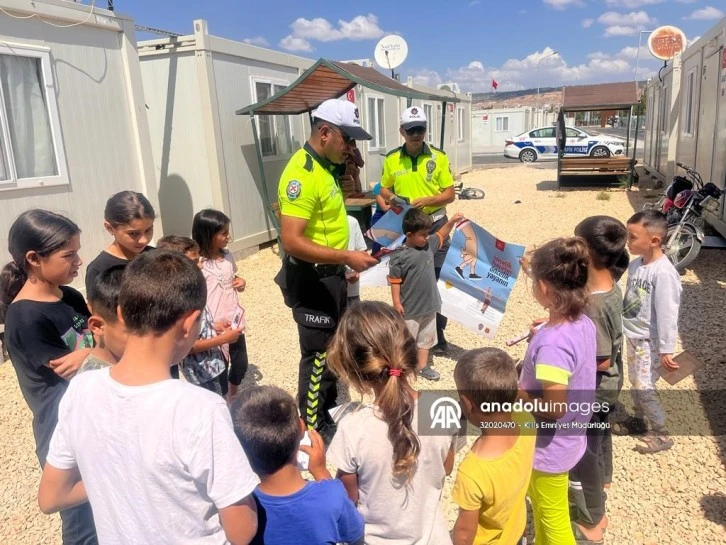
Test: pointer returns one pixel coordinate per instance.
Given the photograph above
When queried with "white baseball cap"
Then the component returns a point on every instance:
(413, 117)
(344, 115)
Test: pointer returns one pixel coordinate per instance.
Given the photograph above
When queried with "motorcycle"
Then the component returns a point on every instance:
(683, 204)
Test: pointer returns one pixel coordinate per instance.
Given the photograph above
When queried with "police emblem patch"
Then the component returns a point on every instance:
(430, 167)
(356, 116)
(293, 189)
(414, 111)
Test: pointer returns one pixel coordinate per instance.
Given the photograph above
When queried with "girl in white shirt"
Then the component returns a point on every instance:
(393, 475)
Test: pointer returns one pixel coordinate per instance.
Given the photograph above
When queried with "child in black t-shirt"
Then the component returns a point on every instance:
(129, 219)
(46, 330)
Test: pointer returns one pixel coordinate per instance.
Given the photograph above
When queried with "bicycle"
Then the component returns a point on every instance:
(468, 193)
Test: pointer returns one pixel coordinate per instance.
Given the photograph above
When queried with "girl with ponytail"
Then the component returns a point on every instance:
(392, 474)
(46, 330)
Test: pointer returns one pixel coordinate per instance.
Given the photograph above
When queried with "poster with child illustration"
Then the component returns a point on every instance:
(477, 278)
(388, 231)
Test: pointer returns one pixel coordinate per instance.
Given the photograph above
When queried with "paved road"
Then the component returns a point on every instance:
(497, 160)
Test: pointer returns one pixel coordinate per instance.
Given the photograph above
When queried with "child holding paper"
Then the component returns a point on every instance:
(413, 282)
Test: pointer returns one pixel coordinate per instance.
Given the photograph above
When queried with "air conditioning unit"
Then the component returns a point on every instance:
(450, 86)
(366, 63)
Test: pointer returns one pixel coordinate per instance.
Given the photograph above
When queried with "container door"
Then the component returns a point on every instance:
(707, 115)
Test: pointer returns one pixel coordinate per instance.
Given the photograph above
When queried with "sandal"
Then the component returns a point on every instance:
(582, 539)
(653, 442)
(629, 426)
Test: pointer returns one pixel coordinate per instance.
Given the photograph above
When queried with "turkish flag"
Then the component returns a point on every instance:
(500, 245)
(494, 84)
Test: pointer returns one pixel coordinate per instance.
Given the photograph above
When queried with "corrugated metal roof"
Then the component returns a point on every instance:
(604, 96)
(330, 79)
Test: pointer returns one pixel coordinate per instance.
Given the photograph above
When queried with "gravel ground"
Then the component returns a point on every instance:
(676, 497)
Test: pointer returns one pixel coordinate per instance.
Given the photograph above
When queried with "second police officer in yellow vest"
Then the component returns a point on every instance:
(421, 174)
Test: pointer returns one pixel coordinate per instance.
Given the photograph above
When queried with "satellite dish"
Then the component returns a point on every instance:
(390, 52)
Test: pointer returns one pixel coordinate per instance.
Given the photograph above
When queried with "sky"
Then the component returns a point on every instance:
(469, 42)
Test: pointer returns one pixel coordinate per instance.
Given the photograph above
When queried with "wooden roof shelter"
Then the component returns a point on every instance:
(331, 79)
(604, 96)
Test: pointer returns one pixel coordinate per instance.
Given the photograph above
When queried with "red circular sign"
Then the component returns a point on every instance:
(666, 42)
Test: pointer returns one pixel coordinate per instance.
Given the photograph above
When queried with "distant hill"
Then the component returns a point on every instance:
(550, 96)
(506, 95)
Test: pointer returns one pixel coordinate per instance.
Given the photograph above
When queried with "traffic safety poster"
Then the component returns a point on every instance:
(477, 278)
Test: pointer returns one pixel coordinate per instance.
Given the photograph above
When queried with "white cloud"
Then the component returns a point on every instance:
(587, 23)
(257, 40)
(563, 4)
(709, 13)
(632, 4)
(516, 74)
(362, 27)
(291, 43)
(598, 55)
(619, 30)
(474, 2)
(625, 24)
(427, 78)
(632, 52)
(626, 19)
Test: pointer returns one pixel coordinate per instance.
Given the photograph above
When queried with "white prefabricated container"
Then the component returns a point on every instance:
(686, 115)
(80, 83)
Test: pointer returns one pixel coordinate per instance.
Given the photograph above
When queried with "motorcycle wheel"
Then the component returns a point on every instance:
(685, 250)
(471, 193)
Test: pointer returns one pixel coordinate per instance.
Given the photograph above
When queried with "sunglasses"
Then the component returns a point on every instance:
(415, 130)
(346, 139)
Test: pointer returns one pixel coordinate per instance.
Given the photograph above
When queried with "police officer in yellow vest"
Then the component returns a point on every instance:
(314, 235)
(421, 173)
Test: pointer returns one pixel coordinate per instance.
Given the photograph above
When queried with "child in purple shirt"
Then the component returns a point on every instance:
(558, 377)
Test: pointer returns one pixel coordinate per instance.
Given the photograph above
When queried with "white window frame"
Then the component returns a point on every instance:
(689, 98)
(13, 182)
(496, 123)
(460, 121)
(380, 117)
(429, 113)
(254, 80)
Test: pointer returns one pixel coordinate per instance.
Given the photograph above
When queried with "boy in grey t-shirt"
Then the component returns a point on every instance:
(413, 282)
(650, 324)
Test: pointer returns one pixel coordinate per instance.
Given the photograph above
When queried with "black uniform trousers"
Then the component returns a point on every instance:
(317, 296)
(439, 258)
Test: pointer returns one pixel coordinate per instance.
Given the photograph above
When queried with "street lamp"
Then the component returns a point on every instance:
(536, 106)
(637, 53)
(637, 65)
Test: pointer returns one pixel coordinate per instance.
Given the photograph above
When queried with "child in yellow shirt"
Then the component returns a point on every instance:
(492, 480)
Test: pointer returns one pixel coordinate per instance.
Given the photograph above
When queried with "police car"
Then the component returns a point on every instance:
(541, 144)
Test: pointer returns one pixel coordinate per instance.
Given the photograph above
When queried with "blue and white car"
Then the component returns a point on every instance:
(541, 144)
